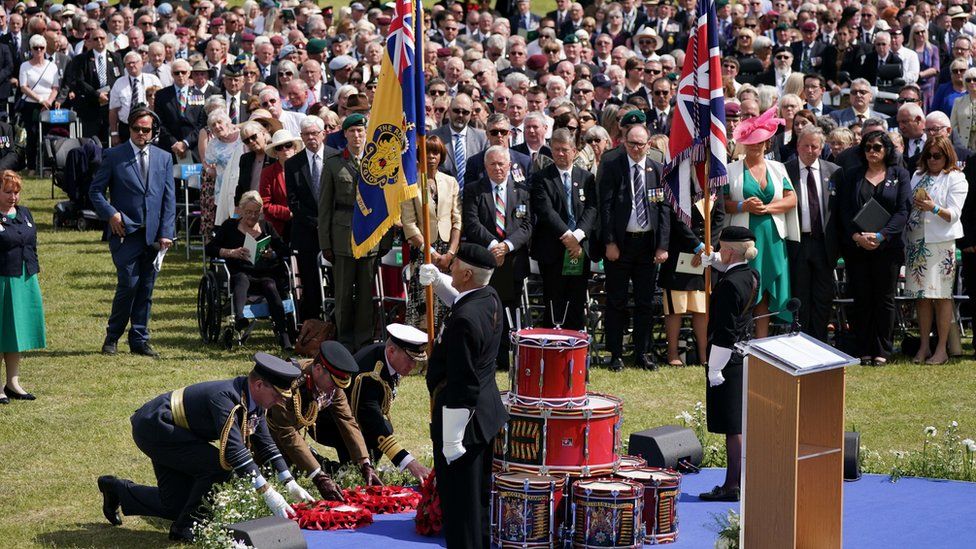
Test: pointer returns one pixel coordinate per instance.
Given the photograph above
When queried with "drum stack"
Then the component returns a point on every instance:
(559, 478)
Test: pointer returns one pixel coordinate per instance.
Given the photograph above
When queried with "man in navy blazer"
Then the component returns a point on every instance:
(142, 221)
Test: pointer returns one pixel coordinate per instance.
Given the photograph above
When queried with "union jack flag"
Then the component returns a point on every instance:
(698, 143)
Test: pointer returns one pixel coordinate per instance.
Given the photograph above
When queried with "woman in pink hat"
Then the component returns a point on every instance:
(759, 196)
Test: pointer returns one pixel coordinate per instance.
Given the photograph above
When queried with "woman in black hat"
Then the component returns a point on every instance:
(730, 313)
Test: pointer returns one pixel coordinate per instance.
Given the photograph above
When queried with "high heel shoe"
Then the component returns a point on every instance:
(17, 396)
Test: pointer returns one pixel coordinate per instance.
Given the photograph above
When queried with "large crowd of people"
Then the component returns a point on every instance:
(850, 143)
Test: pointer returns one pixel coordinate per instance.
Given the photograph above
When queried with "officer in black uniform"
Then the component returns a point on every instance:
(176, 431)
(466, 408)
(318, 406)
(9, 158)
(730, 315)
(381, 365)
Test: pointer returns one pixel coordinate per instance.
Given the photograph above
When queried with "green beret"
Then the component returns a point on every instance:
(571, 39)
(316, 46)
(355, 119)
(635, 116)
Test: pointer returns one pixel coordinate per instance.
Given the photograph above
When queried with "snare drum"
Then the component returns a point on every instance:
(550, 367)
(606, 513)
(578, 440)
(525, 510)
(662, 487)
(627, 463)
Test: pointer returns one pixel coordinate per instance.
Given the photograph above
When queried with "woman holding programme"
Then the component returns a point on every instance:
(939, 189)
(21, 310)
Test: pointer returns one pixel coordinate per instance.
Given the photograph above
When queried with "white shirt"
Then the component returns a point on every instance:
(121, 95)
(503, 189)
(817, 110)
(801, 187)
(42, 78)
(910, 66)
(291, 121)
(632, 225)
(913, 146)
(565, 175)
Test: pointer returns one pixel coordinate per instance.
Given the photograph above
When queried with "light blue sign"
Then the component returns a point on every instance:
(190, 170)
(59, 116)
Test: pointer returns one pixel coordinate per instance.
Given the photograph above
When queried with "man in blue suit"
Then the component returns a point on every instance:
(142, 222)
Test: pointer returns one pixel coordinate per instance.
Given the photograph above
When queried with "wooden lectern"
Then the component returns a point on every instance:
(793, 443)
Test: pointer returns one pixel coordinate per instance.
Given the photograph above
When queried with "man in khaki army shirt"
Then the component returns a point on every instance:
(320, 388)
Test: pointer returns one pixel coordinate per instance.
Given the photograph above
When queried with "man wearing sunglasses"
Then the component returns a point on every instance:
(860, 109)
(90, 76)
(180, 111)
(462, 141)
(141, 217)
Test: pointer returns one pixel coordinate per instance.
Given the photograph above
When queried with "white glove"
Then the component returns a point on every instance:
(429, 274)
(710, 259)
(455, 420)
(297, 492)
(717, 359)
(279, 507)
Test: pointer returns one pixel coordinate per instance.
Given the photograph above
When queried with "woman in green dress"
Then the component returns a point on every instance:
(21, 312)
(759, 196)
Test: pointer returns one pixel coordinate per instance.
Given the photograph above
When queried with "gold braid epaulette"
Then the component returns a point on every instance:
(357, 388)
(225, 434)
(313, 408)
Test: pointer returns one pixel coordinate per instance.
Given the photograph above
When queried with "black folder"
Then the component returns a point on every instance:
(872, 217)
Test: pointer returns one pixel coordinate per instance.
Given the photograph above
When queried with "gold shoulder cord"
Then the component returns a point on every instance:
(357, 388)
(313, 409)
(225, 433)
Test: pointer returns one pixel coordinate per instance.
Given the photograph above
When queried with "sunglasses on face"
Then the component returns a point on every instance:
(936, 156)
(874, 147)
(497, 132)
(860, 92)
(140, 129)
(461, 112)
(438, 93)
(178, 73)
(970, 80)
(653, 71)
(582, 91)
(269, 102)
(903, 100)
(38, 48)
(958, 71)
(593, 140)
(783, 57)
(661, 93)
(285, 147)
(250, 139)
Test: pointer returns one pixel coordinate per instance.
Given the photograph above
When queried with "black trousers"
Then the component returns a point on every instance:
(812, 282)
(29, 115)
(465, 490)
(871, 280)
(242, 284)
(969, 283)
(564, 294)
(185, 473)
(96, 125)
(308, 270)
(635, 266)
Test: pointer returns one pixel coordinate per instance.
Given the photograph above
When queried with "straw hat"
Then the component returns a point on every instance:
(282, 137)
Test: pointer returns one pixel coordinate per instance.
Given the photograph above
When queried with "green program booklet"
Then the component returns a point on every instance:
(572, 267)
(256, 247)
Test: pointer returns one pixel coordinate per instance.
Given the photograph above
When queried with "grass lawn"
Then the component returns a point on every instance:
(53, 449)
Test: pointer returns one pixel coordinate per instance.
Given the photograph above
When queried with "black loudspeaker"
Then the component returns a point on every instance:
(264, 533)
(666, 446)
(852, 456)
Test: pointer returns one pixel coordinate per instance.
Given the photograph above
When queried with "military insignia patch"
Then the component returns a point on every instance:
(381, 161)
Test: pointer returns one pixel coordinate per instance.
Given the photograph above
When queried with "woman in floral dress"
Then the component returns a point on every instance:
(939, 190)
(225, 145)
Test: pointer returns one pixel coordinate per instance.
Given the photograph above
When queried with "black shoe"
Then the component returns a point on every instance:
(616, 364)
(110, 347)
(110, 499)
(720, 493)
(17, 396)
(646, 362)
(144, 350)
(181, 534)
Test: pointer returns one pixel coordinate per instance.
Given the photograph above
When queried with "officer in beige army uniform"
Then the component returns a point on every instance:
(320, 388)
(354, 310)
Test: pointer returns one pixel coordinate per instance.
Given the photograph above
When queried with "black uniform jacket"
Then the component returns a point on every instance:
(733, 299)
(206, 409)
(371, 395)
(18, 244)
(461, 369)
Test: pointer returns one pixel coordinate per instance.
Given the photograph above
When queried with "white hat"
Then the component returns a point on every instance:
(650, 32)
(282, 137)
(340, 62)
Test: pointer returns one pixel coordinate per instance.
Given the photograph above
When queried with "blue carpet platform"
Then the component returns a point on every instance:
(918, 513)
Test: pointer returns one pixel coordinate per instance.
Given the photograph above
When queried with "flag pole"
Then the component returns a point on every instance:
(708, 233)
(422, 162)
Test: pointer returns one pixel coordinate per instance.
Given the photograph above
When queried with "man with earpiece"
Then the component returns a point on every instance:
(141, 218)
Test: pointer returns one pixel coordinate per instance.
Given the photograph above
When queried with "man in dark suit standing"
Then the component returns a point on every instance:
(142, 223)
(466, 409)
(882, 55)
(814, 258)
(814, 87)
(8, 71)
(462, 141)
(496, 216)
(813, 56)
(17, 40)
(303, 176)
(660, 116)
(636, 225)
(181, 114)
(565, 205)
(93, 75)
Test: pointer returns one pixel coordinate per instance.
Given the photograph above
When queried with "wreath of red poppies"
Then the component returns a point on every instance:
(429, 519)
(360, 504)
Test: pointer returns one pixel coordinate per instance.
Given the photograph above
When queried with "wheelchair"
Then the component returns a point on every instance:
(215, 306)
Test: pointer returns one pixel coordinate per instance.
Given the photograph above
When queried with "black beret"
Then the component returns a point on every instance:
(338, 361)
(734, 233)
(476, 256)
(276, 371)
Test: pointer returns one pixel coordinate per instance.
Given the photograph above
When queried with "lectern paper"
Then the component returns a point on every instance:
(800, 352)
